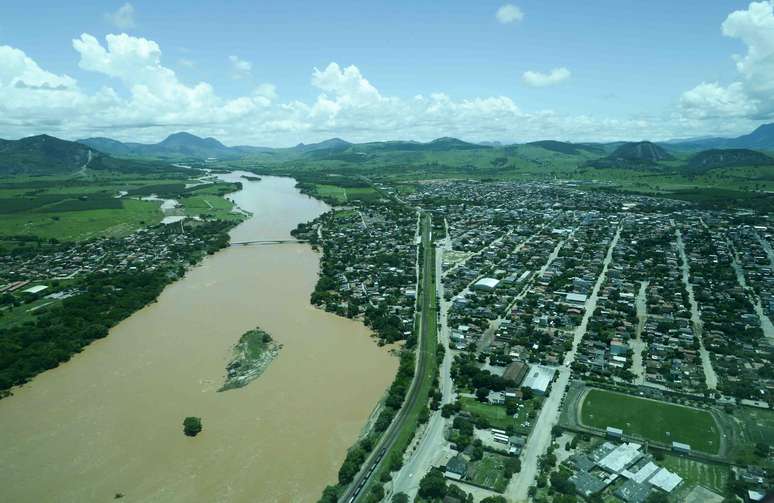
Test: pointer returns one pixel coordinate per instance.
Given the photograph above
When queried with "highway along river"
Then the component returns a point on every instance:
(109, 421)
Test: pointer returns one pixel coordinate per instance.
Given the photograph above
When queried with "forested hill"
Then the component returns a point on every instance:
(41, 154)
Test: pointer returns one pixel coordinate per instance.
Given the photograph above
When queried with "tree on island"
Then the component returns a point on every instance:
(192, 426)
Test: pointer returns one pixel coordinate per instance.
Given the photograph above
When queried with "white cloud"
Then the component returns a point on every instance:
(538, 79)
(509, 13)
(239, 67)
(123, 18)
(709, 100)
(753, 94)
(143, 100)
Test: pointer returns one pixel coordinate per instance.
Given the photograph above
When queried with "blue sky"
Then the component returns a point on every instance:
(245, 71)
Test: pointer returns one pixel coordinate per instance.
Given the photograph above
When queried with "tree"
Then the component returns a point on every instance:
(477, 452)
(192, 426)
(494, 499)
(400, 498)
(481, 394)
(432, 486)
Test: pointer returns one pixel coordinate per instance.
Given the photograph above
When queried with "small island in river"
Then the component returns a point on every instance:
(251, 356)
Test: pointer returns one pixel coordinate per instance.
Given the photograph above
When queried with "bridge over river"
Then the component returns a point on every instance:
(268, 242)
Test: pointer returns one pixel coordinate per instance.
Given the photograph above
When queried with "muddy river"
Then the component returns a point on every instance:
(109, 420)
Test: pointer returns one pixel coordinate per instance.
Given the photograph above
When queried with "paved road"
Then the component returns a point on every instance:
(637, 344)
(432, 448)
(540, 438)
(710, 377)
(425, 350)
(765, 321)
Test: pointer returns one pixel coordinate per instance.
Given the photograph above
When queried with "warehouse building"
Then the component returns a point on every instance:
(539, 378)
(486, 284)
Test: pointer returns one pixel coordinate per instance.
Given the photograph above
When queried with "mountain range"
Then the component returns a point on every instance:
(45, 154)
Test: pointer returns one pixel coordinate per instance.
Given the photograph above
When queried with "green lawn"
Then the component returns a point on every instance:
(332, 191)
(657, 421)
(711, 476)
(488, 472)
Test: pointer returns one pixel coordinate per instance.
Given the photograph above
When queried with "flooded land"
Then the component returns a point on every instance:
(109, 420)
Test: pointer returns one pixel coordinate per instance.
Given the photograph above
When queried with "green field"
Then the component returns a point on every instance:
(77, 225)
(72, 208)
(657, 421)
(711, 476)
(209, 205)
(343, 194)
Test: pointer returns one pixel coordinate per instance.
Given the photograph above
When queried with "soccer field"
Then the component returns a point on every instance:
(650, 419)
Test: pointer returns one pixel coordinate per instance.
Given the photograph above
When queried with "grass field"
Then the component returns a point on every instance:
(343, 194)
(488, 472)
(210, 205)
(711, 476)
(656, 421)
(332, 191)
(77, 225)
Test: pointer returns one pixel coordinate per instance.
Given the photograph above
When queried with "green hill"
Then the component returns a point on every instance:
(47, 155)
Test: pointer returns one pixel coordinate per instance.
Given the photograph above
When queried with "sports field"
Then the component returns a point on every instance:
(650, 419)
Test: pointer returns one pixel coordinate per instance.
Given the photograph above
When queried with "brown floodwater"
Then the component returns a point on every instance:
(110, 420)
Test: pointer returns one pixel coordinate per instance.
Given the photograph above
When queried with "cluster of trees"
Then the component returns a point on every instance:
(466, 373)
(387, 326)
(192, 426)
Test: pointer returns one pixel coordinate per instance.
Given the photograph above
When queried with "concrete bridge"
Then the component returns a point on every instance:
(268, 242)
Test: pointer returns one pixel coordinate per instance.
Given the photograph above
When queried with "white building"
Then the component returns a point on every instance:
(486, 284)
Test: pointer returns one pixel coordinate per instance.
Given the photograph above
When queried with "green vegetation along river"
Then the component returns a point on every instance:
(108, 421)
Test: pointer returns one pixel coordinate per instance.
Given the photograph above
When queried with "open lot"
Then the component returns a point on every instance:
(657, 421)
(496, 416)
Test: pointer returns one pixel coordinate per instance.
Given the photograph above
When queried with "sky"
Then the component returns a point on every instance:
(279, 73)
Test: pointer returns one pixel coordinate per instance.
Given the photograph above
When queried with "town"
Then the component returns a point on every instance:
(594, 346)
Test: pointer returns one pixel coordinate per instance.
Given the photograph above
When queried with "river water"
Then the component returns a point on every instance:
(109, 420)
